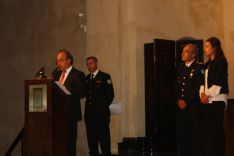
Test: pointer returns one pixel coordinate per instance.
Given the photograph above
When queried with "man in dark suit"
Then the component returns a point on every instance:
(99, 96)
(189, 79)
(73, 80)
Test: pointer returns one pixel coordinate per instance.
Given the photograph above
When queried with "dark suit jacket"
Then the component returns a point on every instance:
(76, 85)
(99, 94)
(218, 74)
(188, 82)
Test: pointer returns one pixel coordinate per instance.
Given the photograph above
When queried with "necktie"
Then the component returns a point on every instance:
(92, 77)
(61, 80)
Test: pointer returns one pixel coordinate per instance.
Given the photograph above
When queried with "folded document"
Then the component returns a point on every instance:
(115, 108)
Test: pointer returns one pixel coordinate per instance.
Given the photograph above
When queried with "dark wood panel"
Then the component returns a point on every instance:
(164, 136)
(150, 77)
(159, 94)
(229, 128)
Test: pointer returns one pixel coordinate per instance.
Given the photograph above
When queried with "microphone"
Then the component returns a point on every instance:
(40, 74)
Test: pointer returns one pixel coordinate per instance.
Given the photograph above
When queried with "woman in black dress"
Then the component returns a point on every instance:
(213, 94)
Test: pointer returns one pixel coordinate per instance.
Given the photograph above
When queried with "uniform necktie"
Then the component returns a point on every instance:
(92, 77)
(61, 80)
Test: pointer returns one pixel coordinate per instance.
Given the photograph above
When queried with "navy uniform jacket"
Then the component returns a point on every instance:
(99, 94)
(188, 82)
(76, 85)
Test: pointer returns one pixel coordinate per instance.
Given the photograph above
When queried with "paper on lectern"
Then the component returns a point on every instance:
(63, 88)
(116, 108)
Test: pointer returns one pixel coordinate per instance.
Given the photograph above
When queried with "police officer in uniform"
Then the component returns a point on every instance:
(100, 94)
(189, 79)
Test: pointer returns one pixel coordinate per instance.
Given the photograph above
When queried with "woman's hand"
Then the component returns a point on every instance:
(204, 98)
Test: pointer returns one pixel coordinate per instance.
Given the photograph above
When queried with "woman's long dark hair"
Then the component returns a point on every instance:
(216, 44)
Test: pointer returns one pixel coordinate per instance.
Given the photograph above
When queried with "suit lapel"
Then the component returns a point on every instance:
(57, 75)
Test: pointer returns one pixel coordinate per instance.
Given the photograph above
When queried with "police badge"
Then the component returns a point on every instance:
(191, 74)
(109, 81)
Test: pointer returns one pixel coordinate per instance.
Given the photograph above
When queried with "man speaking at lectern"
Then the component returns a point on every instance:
(73, 80)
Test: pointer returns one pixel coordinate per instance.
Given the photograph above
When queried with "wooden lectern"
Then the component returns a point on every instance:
(46, 108)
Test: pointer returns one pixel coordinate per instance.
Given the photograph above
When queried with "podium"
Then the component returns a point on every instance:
(46, 110)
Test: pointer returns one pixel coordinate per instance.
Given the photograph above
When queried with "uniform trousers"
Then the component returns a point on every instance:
(98, 132)
(189, 132)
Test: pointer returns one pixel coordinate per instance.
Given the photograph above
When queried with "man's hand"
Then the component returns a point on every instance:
(181, 104)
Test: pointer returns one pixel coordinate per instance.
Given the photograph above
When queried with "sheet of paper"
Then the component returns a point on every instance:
(63, 88)
(116, 108)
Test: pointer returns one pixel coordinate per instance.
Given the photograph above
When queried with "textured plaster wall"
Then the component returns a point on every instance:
(103, 42)
(228, 6)
(31, 31)
(118, 29)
